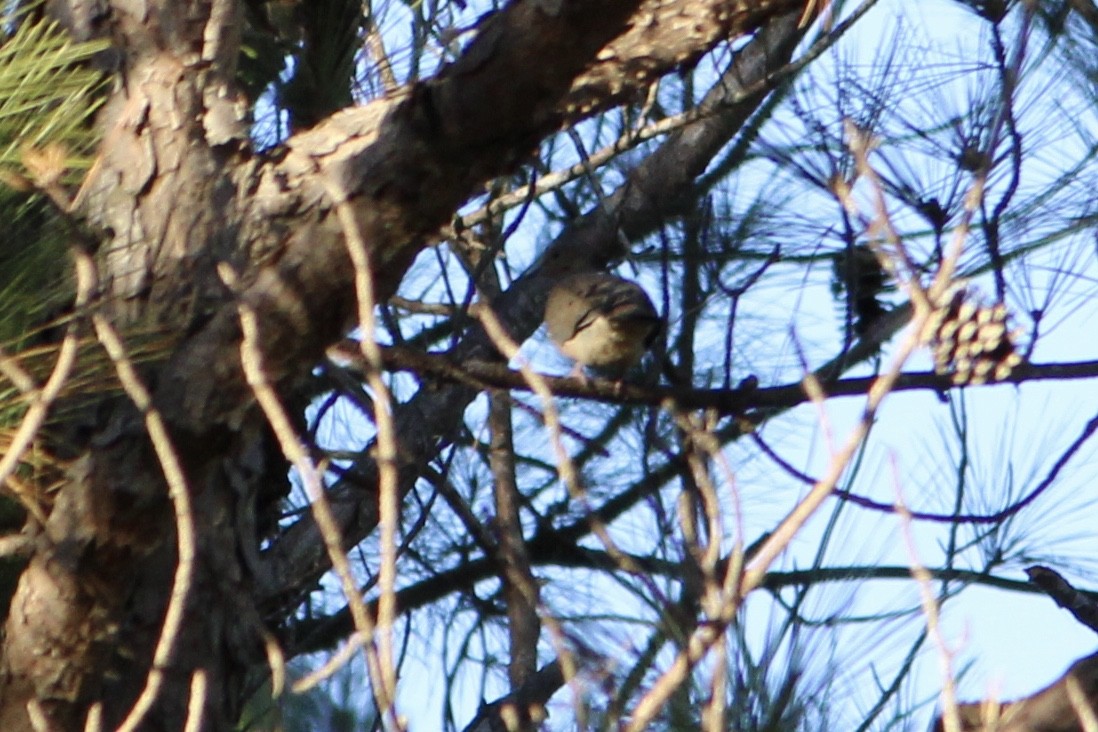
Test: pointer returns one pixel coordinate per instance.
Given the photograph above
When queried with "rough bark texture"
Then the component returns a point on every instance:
(1049, 710)
(651, 192)
(177, 191)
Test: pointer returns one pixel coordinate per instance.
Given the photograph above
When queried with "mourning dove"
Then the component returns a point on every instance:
(601, 321)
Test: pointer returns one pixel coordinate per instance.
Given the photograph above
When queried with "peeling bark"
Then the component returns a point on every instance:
(636, 208)
(1049, 710)
(178, 191)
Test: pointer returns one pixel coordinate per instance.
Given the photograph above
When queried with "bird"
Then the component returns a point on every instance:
(601, 321)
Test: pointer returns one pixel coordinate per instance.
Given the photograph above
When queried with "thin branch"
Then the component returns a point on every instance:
(388, 479)
(738, 401)
(42, 399)
(519, 585)
(252, 362)
(955, 518)
(923, 579)
(731, 93)
(197, 701)
(180, 497)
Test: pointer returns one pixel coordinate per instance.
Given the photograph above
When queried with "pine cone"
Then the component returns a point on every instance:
(971, 341)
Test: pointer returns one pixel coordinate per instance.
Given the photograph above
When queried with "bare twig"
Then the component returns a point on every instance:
(706, 636)
(41, 399)
(16, 374)
(519, 585)
(633, 137)
(180, 497)
(376, 46)
(199, 690)
(951, 719)
(1081, 705)
(569, 475)
(94, 721)
(1062, 706)
(388, 478)
(295, 452)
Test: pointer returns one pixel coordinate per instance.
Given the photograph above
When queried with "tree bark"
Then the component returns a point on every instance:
(1049, 710)
(178, 191)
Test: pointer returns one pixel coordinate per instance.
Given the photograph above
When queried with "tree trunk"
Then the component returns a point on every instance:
(178, 191)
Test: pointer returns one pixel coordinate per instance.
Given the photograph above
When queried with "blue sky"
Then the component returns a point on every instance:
(1009, 644)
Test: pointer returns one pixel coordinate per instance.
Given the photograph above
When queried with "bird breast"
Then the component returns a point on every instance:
(604, 343)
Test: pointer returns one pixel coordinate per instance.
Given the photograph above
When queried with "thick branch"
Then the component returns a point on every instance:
(636, 208)
(407, 163)
(1052, 709)
(1049, 710)
(738, 401)
(1082, 605)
